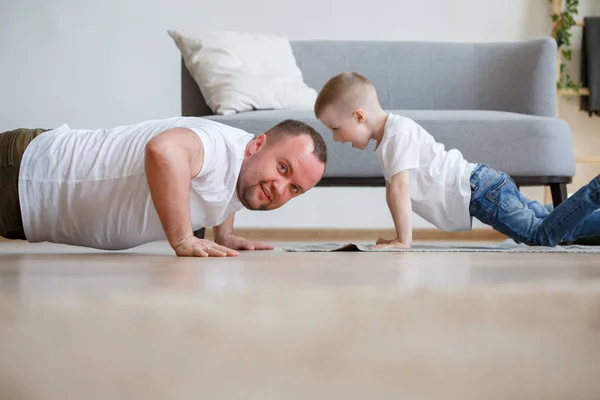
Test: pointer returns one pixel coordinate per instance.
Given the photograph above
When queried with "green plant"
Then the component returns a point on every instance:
(562, 24)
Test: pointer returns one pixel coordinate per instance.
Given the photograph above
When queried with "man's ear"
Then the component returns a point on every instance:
(360, 115)
(256, 143)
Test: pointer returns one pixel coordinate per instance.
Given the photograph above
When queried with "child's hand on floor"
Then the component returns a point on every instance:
(395, 244)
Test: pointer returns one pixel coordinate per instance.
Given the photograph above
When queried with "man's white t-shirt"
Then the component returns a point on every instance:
(440, 187)
(88, 187)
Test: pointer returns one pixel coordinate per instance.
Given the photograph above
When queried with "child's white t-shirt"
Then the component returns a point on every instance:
(440, 187)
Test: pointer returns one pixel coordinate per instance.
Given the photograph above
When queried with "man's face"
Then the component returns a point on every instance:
(272, 174)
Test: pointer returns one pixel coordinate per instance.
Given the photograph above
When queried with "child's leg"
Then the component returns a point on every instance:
(586, 232)
(589, 227)
(497, 202)
(539, 210)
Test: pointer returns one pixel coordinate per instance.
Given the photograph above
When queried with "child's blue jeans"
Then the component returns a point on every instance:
(496, 201)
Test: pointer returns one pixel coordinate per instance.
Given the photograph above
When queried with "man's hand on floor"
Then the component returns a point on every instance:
(240, 243)
(194, 247)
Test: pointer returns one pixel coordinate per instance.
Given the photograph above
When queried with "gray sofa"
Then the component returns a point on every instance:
(495, 102)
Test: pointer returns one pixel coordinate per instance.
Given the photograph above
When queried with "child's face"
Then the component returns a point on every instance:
(347, 127)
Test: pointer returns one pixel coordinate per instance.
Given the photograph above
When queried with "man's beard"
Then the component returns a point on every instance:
(249, 184)
(250, 193)
(247, 193)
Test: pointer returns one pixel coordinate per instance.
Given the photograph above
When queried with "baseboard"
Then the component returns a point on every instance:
(347, 235)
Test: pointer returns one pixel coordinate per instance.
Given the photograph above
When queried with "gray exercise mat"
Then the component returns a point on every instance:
(504, 246)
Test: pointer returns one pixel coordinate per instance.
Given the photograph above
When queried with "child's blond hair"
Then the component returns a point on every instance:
(348, 89)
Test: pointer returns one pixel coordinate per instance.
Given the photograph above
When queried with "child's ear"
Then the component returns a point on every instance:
(360, 115)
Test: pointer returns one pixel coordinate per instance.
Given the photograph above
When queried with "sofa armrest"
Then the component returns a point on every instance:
(192, 101)
(518, 76)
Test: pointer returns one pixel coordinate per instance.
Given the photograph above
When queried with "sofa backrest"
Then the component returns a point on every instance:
(511, 76)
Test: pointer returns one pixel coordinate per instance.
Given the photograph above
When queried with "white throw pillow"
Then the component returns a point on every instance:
(238, 71)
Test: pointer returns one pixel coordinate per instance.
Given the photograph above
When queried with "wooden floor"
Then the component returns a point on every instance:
(143, 324)
(47, 267)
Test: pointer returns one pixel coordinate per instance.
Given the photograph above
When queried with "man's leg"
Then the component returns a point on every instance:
(12, 148)
(497, 202)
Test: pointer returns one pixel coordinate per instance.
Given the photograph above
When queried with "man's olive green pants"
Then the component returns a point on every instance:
(12, 148)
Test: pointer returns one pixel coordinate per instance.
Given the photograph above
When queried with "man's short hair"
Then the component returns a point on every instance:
(292, 127)
(340, 89)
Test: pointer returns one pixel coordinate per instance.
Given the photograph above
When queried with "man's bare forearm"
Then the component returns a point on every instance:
(169, 171)
(168, 179)
(224, 229)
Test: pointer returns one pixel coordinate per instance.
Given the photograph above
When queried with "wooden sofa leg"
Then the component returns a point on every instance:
(200, 233)
(559, 193)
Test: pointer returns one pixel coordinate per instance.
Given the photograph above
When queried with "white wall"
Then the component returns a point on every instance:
(100, 64)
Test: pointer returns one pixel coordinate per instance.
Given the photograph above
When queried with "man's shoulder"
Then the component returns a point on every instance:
(223, 144)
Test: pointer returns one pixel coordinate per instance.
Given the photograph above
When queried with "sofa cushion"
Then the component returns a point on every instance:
(241, 71)
(518, 144)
